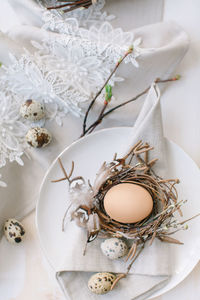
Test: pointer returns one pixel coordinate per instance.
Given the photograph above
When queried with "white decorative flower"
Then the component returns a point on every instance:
(113, 42)
(82, 72)
(12, 130)
(107, 35)
(54, 22)
(33, 81)
(31, 78)
(68, 68)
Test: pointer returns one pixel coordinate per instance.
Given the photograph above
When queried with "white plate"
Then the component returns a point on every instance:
(88, 154)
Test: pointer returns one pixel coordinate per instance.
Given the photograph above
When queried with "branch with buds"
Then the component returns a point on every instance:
(108, 95)
(105, 113)
(130, 50)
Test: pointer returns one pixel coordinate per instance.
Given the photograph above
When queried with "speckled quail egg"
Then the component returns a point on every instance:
(114, 248)
(32, 110)
(38, 137)
(14, 231)
(101, 283)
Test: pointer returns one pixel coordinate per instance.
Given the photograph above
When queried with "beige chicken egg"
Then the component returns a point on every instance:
(128, 203)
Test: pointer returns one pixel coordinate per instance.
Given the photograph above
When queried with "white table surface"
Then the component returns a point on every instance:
(181, 110)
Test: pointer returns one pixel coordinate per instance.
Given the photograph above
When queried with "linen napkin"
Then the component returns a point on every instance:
(151, 270)
(148, 127)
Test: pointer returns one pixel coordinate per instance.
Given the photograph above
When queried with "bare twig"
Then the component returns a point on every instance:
(105, 114)
(183, 222)
(67, 177)
(119, 276)
(99, 120)
(136, 256)
(132, 252)
(72, 4)
(101, 89)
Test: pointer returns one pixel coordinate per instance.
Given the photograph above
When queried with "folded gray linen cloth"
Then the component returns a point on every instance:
(152, 268)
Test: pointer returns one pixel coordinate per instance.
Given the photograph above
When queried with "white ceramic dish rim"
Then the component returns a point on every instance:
(188, 268)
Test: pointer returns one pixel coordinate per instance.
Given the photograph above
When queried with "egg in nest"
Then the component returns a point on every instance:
(128, 203)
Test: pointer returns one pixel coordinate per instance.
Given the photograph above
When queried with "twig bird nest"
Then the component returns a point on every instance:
(87, 201)
(163, 193)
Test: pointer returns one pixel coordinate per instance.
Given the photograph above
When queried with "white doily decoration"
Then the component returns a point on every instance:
(105, 41)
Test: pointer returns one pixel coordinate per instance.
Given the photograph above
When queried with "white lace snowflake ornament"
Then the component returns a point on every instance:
(104, 40)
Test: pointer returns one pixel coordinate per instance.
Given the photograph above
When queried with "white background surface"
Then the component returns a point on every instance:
(181, 110)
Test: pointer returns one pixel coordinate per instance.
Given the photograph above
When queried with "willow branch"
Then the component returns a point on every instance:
(101, 116)
(91, 128)
(100, 91)
(75, 4)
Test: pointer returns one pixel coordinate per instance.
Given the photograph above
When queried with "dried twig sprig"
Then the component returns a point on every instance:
(104, 113)
(78, 180)
(130, 50)
(70, 5)
(108, 97)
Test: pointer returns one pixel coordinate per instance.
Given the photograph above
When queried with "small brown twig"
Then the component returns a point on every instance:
(183, 222)
(99, 118)
(130, 50)
(132, 252)
(72, 4)
(68, 177)
(119, 276)
(134, 259)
